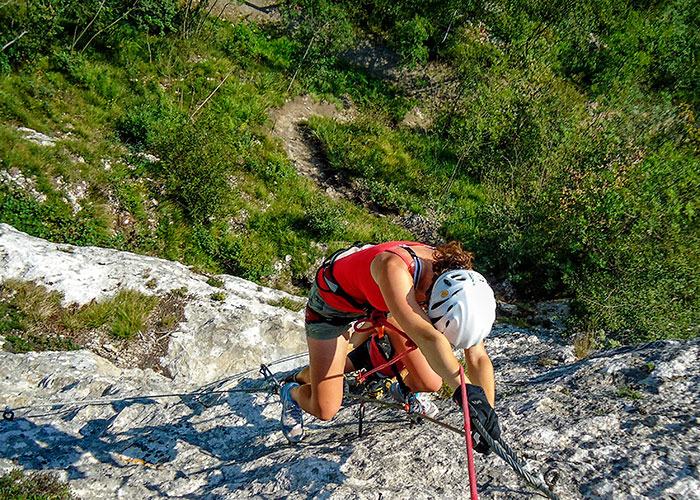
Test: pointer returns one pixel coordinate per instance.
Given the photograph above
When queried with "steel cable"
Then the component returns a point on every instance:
(499, 446)
(8, 414)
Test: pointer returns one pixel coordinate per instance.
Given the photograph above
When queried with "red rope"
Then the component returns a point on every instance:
(468, 434)
(361, 377)
(378, 319)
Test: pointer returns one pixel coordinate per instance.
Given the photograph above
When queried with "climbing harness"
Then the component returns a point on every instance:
(328, 283)
(378, 323)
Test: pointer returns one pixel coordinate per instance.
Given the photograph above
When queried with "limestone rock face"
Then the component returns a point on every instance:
(620, 424)
(217, 338)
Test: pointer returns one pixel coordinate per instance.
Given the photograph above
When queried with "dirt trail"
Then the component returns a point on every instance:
(305, 152)
(301, 146)
(259, 11)
(304, 149)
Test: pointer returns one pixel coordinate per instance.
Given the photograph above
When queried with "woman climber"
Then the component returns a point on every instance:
(398, 278)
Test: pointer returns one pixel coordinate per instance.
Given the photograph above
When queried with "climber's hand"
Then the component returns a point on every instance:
(481, 411)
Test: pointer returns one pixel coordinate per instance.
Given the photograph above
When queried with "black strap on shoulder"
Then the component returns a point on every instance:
(326, 281)
(417, 265)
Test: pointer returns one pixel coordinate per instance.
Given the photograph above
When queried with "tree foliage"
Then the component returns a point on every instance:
(38, 27)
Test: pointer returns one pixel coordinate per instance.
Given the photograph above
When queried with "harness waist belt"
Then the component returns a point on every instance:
(314, 317)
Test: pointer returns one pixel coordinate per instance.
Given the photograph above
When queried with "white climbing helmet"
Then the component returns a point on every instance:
(462, 306)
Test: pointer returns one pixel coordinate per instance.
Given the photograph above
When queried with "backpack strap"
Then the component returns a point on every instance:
(327, 283)
(417, 264)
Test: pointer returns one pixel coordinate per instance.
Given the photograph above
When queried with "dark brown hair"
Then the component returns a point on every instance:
(451, 256)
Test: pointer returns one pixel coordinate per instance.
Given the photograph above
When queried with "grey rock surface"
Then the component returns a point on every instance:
(620, 424)
(217, 337)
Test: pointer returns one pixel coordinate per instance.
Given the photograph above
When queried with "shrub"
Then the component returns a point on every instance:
(196, 171)
(325, 220)
(248, 43)
(138, 125)
(412, 35)
(21, 485)
(215, 282)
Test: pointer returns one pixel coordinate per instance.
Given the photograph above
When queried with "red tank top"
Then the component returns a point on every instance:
(353, 275)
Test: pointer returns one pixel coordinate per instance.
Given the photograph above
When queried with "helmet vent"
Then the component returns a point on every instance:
(438, 304)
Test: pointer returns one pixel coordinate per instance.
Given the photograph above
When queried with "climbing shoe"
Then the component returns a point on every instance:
(292, 415)
(428, 408)
(418, 403)
(397, 393)
(292, 377)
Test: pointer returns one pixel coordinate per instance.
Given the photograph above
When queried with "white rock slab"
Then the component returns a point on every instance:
(218, 338)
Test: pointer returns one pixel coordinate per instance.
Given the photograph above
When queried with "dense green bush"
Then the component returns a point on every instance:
(595, 203)
(195, 169)
(38, 28)
(248, 43)
(412, 35)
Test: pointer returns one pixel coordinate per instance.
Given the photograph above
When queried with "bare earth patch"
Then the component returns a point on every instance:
(303, 149)
(259, 11)
(147, 347)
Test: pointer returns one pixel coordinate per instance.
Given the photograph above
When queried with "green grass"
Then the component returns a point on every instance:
(131, 311)
(124, 315)
(215, 282)
(33, 319)
(30, 318)
(20, 485)
(292, 305)
(629, 393)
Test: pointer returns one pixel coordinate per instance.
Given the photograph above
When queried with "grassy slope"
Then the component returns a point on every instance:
(223, 197)
(569, 171)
